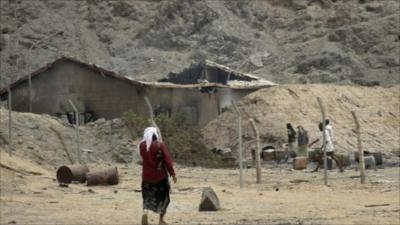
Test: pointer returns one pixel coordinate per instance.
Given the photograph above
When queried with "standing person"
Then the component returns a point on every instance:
(328, 127)
(291, 139)
(302, 141)
(157, 164)
(328, 148)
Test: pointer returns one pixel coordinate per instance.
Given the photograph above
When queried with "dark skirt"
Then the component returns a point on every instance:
(156, 196)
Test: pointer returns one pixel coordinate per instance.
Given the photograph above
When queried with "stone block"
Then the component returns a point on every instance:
(209, 200)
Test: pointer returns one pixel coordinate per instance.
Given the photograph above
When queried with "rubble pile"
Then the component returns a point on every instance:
(51, 141)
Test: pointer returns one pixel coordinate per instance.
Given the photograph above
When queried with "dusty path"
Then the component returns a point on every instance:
(27, 198)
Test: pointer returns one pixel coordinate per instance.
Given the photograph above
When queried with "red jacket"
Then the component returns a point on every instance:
(150, 173)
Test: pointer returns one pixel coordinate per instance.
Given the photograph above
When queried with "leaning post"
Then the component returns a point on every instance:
(9, 121)
(258, 150)
(151, 114)
(321, 106)
(360, 151)
(240, 143)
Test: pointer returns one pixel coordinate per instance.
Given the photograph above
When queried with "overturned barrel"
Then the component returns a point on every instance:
(69, 173)
(108, 176)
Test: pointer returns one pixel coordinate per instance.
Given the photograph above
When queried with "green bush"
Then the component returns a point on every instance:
(136, 124)
(184, 141)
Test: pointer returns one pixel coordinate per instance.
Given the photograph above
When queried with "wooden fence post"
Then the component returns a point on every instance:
(240, 143)
(258, 150)
(360, 151)
(323, 140)
(62, 143)
(151, 114)
(9, 121)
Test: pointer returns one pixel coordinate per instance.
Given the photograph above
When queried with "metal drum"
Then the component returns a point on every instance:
(108, 176)
(69, 173)
(268, 155)
(300, 163)
(344, 159)
(281, 155)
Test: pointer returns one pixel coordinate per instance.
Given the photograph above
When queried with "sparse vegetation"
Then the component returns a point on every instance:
(184, 141)
(135, 123)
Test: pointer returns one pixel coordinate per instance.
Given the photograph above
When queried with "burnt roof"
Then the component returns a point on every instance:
(195, 74)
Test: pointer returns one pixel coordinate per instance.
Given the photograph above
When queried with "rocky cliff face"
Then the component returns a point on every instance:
(286, 41)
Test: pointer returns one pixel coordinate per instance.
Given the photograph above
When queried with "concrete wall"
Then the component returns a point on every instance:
(106, 96)
(206, 106)
(109, 97)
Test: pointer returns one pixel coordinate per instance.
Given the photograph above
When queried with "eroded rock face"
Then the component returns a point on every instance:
(209, 200)
(286, 41)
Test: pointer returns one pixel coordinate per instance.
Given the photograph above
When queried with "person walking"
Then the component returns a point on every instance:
(328, 127)
(329, 148)
(302, 141)
(157, 165)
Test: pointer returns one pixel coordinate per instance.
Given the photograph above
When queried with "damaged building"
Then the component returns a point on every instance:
(201, 92)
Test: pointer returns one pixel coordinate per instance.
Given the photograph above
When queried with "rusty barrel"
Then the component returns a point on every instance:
(280, 155)
(378, 158)
(300, 163)
(268, 155)
(108, 176)
(344, 159)
(329, 164)
(69, 173)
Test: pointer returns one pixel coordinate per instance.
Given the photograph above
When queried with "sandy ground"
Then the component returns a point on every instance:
(31, 195)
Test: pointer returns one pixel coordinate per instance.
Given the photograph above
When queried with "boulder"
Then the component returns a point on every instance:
(209, 200)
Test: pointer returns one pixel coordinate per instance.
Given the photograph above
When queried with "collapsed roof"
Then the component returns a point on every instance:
(212, 72)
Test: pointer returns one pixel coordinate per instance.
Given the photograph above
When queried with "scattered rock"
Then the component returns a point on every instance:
(209, 200)
(63, 185)
(297, 181)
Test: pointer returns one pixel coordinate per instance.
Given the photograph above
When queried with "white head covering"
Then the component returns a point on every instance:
(148, 136)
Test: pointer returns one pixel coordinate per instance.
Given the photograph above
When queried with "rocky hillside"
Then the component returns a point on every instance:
(377, 108)
(286, 41)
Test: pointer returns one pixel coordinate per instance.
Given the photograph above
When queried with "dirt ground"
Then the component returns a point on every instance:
(31, 195)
